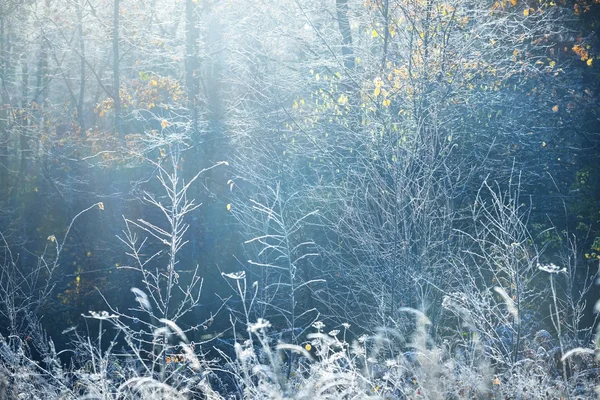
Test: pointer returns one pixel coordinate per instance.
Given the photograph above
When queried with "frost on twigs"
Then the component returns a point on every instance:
(176, 329)
(318, 325)
(235, 275)
(100, 315)
(551, 268)
(142, 299)
(510, 304)
(260, 324)
(294, 348)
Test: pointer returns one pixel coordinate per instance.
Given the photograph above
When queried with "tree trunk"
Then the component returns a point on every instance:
(3, 61)
(191, 62)
(80, 116)
(344, 26)
(116, 61)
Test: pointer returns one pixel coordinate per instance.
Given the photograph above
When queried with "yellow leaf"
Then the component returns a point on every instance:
(386, 103)
(589, 62)
(101, 206)
(526, 12)
(377, 91)
(555, 108)
(164, 123)
(513, 2)
(228, 207)
(153, 82)
(374, 33)
(307, 346)
(51, 238)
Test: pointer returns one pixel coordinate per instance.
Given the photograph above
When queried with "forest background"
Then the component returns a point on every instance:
(353, 158)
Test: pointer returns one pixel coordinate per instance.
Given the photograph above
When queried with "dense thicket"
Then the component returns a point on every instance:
(345, 160)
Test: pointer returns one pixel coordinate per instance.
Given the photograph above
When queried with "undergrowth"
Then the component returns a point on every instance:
(383, 365)
(472, 355)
